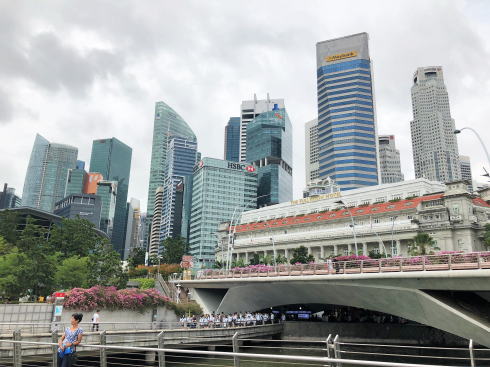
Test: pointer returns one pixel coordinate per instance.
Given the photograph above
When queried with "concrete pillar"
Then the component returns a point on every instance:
(335, 250)
(286, 253)
(381, 247)
(246, 258)
(322, 252)
(398, 247)
(364, 249)
(349, 248)
(309, 250)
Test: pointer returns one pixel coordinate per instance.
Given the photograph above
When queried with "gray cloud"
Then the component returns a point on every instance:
(6, 108)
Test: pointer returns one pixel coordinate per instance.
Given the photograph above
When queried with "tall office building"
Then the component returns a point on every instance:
(311, 151)
(434, 145)
(112, 159)
(270, 150)
(389, 160)
(249, 111)
(8, 199)
(232, 140)
(107, 191)
(346, 117)
(75, 181)
(48, 167)
(180, 162)
(156, 223)
(133, 227)
(465, 166)
(167, 123)
(220, 189)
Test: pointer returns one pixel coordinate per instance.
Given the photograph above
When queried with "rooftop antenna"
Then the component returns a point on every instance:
(268, 101)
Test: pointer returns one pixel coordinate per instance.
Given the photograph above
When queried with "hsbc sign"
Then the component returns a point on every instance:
(239, 166)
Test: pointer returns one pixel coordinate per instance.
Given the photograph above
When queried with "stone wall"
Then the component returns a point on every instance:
(372, 333)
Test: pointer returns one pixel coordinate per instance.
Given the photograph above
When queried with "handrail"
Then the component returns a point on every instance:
(443, 262)
(236, 354)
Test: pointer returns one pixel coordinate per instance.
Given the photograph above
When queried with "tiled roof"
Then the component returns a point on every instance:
(480, 202)
(337, 214)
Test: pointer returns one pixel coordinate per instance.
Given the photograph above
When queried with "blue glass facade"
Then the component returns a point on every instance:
(232, 140)
(270, 149)
(112, 158)
(46, 174)
(346, 118)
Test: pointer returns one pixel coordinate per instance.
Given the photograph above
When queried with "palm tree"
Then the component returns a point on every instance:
(423, 244)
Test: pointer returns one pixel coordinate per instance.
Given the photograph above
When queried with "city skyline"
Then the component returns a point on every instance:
(131, 120)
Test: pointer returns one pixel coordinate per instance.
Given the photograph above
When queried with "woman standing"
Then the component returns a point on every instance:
(69, 340)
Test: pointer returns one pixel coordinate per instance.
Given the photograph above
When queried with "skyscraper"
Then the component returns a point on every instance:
(249, 111)
(48, 167)
(389, 160)
(434, 145)
(232, 140)
(220, 189)
(465, 165)
(346, 118)
(112, 158)
(8, 199)
(75, 181)
(167, 123)
(133, 227)
(107, 191)
(270, 150)
(180, 162)
(311, 151)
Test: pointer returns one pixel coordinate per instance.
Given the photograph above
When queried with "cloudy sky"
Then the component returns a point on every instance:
(78, 71)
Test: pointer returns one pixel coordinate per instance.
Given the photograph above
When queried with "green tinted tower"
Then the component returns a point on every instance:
(112, 158)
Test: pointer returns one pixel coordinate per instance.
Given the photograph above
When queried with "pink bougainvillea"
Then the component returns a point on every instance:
(113, 299)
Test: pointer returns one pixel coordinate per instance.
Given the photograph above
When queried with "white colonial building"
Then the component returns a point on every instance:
(384, 218)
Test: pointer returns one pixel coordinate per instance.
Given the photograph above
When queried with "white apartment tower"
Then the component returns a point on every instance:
(311, 151)
(389, 160)
(465, 165)
(435, 148)
(248, 111)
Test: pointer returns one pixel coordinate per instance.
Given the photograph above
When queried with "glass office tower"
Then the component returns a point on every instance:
(270, 150)
(232, 140)
(167, 123)
(220, 189)
(46, 174)
(346, 118)
(112, 158)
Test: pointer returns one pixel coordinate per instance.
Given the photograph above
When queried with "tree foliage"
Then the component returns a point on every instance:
(300, 255)
(104, 265)
(136, 257)
(73, 272)
(74, 237)
(172, 250)
(423, 244)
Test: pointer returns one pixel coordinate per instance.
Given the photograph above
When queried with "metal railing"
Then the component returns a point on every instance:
(332, 352)
(456, 261)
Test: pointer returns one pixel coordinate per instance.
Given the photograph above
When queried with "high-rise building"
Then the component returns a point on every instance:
(48, 167)
(319, 187)
(347, 140)
(133, 227)
(389, 160)
(91, 181)
(465, 165)
(180, 162)
(75, 181)
(232, 140)
(434, 145)
(311, 151)
(107, 191)
(156, 223)
(249, 111)
(78, 205)
(8, 199)
(112, 159)
(167, 123)
(270, 150)
(220, 190)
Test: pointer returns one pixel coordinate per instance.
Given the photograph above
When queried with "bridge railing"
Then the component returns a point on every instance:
(328, 352)
(449, 261)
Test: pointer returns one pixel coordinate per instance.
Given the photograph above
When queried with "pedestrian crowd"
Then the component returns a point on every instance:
(222, 320)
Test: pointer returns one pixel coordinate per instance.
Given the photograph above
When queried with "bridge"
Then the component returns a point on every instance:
(450, 292)
(173, 337)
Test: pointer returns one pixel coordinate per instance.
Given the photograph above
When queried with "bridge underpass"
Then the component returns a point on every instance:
(453, 301)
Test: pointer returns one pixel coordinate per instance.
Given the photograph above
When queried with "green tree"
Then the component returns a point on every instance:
(74, 237)
(173, 250)
(105, 268)
(5, 247)
(238, 263)
(300, 255)
(423, 244)
(136, 257)
(281, 259)
(14, 272)
(73, 272)
(255, 260)
(9, 226)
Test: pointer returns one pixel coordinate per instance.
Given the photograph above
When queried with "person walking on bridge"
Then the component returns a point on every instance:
(95, 321)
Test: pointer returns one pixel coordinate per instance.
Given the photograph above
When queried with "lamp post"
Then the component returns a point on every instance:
(273, 246)
(392, 233)
(458, 131)
(352, 221)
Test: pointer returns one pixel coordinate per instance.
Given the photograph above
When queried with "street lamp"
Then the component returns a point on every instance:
(458, 131)
(392, 233)
(352, 221)
(273, 245)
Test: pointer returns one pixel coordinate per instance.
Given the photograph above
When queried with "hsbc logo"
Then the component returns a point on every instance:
(239, 166)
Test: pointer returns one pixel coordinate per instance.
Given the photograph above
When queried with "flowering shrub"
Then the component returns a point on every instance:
(352, 258)
(113, 299)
